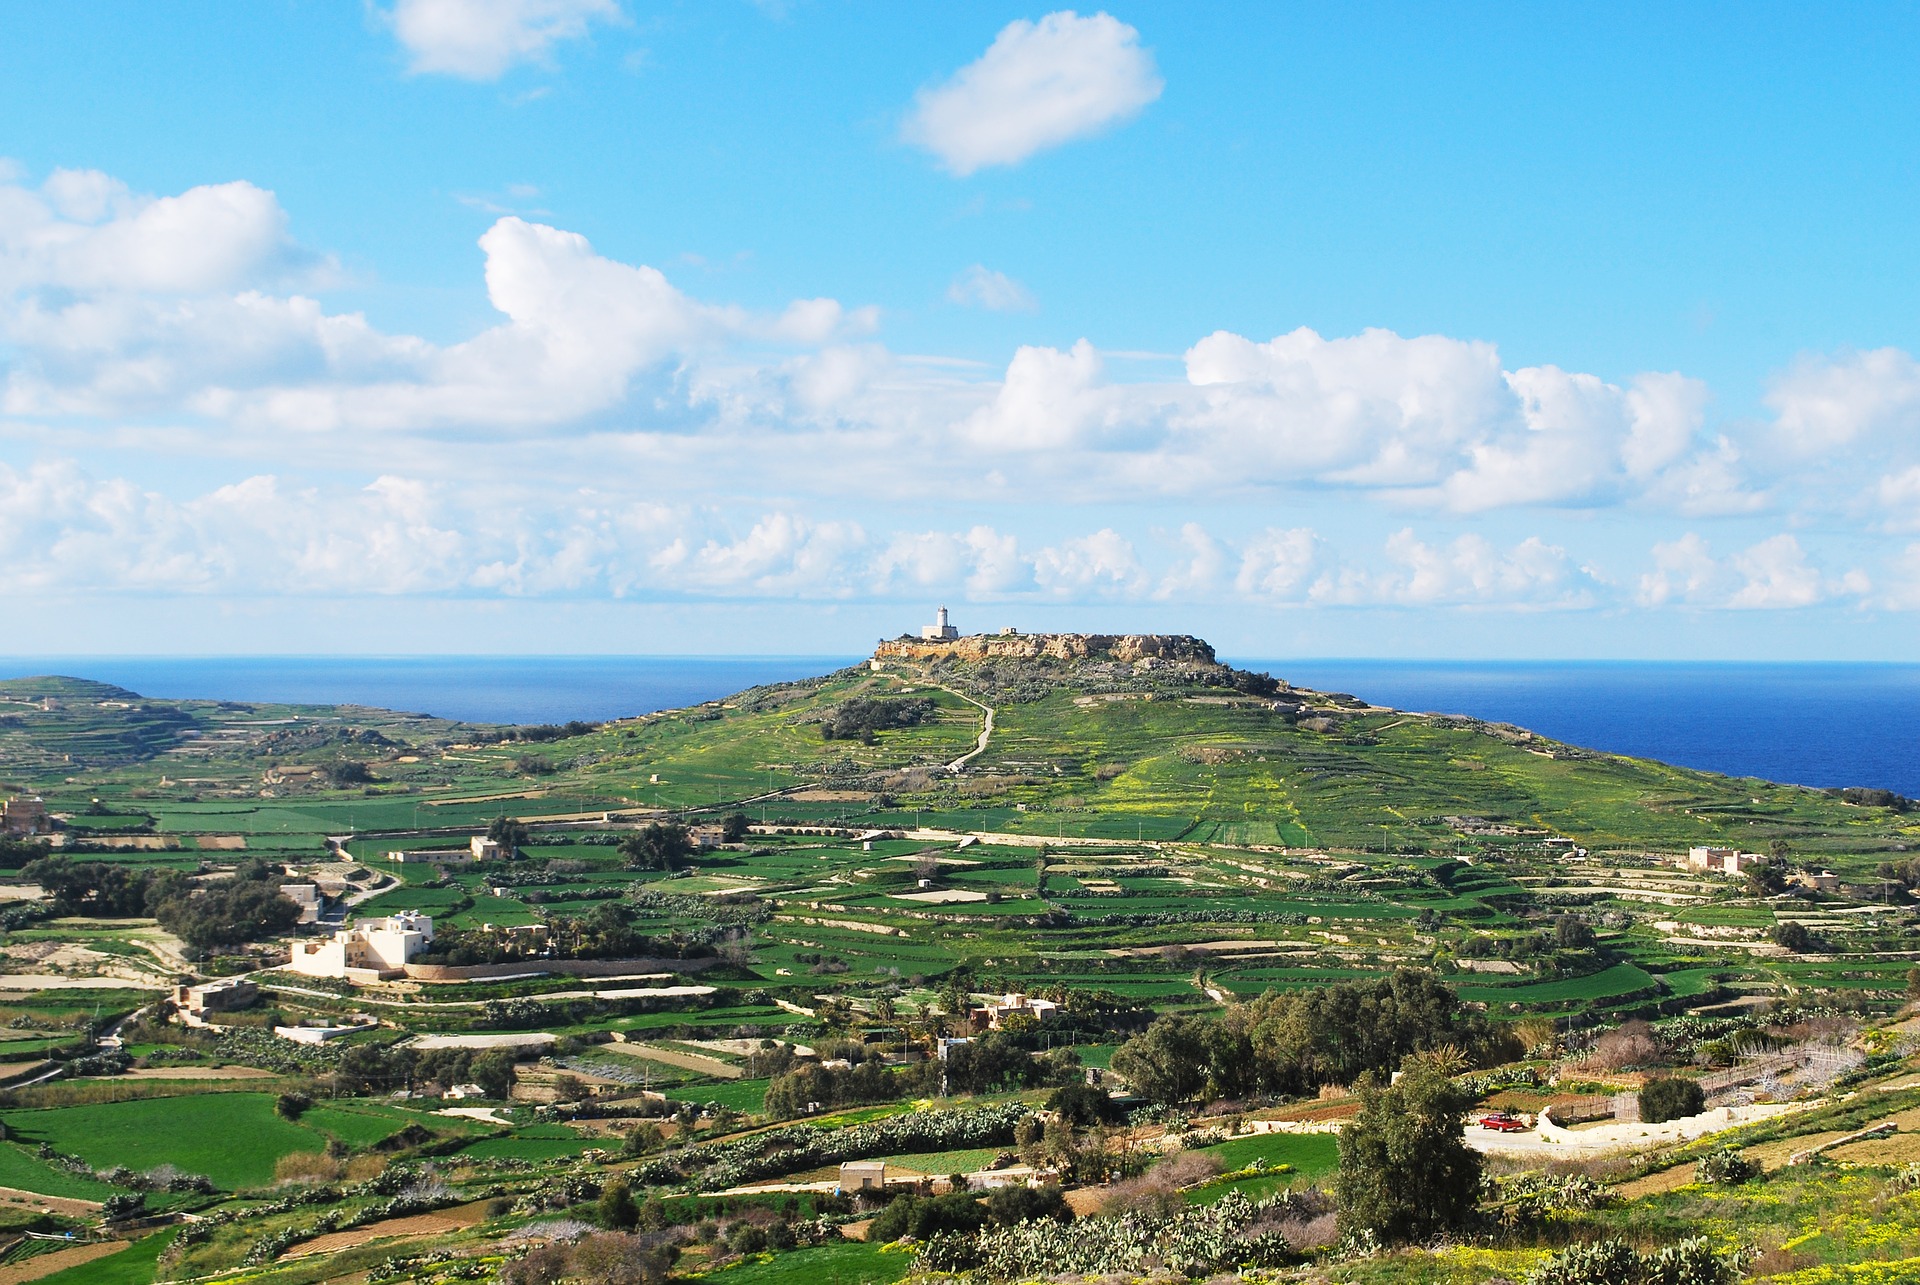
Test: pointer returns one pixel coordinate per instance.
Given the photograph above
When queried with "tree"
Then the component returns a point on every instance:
(1167, 1062)
(349, 772)
(734, 827)
(244, 908)
(291, 1106)
(1570, 932)
(660, 846)
(1670, 1097)
(1766, 878)
(510, 834)
(1082, 1104)
(617, 1210)
(1793, 936)
(493, 1072)
(1406, 1172)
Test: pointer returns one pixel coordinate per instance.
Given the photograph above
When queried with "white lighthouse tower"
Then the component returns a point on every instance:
(939, 630)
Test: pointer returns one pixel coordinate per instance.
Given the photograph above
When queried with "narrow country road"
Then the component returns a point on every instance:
(986, 730)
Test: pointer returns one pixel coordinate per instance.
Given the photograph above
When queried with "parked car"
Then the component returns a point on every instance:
(1501, 1122)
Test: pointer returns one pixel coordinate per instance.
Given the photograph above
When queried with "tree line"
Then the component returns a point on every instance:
(1290, 1043)
(228, 912)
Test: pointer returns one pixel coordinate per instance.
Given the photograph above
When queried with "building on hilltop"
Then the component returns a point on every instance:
(940, 630)
(369, 951)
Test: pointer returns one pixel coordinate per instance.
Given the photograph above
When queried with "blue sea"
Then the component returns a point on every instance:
(1812, 724)
(1806, 723)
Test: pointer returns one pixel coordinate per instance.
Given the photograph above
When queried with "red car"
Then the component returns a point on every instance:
(1503, 1124)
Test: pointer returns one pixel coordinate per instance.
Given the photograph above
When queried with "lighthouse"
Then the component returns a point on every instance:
(940, 630)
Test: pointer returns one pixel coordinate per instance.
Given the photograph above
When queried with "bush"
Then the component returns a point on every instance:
(122, 1206)
(1669, 1097)
(922, 1217)
(1010, 1205)
(1614, 1262)
(291, 1106)
(1725, 1167)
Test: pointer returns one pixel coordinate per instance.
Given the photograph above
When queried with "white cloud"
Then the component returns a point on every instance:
(1773, 574)
(1039, 85)
(85, 232)
(1278, 563)
(1469, 570)
(1823, 403)
(1103, 563)
(1199, 571)
(482, 39)
(982, 287)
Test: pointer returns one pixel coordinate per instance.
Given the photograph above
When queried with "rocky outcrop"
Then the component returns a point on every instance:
(1126, 648)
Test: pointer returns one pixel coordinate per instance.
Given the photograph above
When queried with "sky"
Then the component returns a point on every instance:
(607, 326)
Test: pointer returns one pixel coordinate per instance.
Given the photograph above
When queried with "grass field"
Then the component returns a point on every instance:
(21, 1169)
(134, 1265)
(1312, 1155)
(233, 1138)
(740, 1095)
(851, 1263)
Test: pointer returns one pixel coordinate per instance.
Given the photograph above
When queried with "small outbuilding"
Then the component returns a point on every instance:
(862, 1175)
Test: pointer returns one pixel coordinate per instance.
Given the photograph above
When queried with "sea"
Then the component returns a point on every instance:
(1807, 723)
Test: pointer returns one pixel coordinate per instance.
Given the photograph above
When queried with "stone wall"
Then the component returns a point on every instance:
(560, 967)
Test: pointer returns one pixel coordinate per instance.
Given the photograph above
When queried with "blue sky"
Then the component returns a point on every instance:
(597, 325)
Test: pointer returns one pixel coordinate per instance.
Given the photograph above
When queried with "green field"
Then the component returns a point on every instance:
(20, 1169)
(852, 1263)
(233, 1138)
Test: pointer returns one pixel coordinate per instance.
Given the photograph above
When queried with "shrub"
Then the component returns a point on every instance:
(1669, 1097)
(291, 1106)
(307, 1167)
(1614, 1262)
(923, 1217)
(1725, 1167)
(1010, 1205)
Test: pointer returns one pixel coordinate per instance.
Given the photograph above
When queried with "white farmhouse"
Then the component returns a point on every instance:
(369, 951)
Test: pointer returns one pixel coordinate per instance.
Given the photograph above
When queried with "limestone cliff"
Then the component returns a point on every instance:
(1126, 648)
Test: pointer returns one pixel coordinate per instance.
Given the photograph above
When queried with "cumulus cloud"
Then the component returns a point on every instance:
(1825, 402)
(85, 232)
(1039, 85)
(1774, 573)
(482, 39)
(1103, 563)
(117, 303)
(982, 287)
(1278, 563)
(1468, 570)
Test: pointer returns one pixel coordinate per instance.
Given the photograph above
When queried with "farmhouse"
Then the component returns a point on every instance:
(432, 857)
(371, 950)
(1727, 861)
(1823, 881)
(195, 1002)
(23, 816)
(994, 1013)
(706, 837)
(307, 897)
